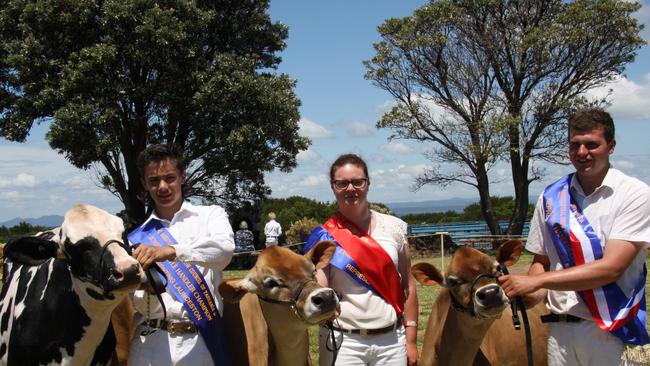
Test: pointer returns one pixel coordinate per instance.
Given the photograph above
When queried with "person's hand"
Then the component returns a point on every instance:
(518, 285)
(411, 353)
(148, 255)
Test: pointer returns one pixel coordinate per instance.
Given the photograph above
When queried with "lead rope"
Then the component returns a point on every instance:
(518, 302)
(149, 329)
(331, 336)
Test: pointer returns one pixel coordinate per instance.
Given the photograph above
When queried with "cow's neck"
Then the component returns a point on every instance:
(289, 337)
(461, 338)
(99, 311)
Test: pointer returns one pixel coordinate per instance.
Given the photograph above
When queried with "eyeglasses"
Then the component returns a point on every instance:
(344, 183)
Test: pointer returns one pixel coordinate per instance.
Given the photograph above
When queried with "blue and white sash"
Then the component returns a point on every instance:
(576, 242)
(340, 259)
(188, 286)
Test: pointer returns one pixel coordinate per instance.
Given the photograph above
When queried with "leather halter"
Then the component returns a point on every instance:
(469, 309)
(291, 303)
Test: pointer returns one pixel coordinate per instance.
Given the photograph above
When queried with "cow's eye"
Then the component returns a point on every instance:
(270, 283)
(453, 281)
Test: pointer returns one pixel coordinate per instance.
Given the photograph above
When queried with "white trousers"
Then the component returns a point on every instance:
(355, 350)
(163, 349)
(582, 344)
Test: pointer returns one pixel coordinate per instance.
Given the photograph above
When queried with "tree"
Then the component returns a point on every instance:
(113, 77)
(503, 76)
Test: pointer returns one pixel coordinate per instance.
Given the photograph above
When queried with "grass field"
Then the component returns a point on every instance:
(426, 296)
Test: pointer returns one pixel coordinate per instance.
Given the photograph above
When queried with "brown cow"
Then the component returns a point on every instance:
(471, 320)
(288, 300)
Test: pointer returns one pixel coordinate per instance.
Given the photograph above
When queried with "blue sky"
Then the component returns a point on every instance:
(328, 40)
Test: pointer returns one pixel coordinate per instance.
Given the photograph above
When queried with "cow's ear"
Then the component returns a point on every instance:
(233, 290)
(427, 274)
(509, 252)
(321, 253)
(30, 250)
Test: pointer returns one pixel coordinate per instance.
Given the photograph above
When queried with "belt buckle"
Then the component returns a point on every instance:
(364, 333)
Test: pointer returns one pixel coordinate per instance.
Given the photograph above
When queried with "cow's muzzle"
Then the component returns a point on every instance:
(123, 278)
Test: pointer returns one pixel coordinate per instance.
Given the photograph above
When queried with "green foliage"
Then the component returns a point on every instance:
(22, 229)
(294, 208)
(113, 77)
(493, 80)
(300, 230)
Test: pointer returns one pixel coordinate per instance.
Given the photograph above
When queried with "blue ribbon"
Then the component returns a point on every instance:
(188, 286)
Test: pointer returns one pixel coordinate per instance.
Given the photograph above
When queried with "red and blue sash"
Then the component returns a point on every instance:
(361, 257)
(188, 286)
(576, 242)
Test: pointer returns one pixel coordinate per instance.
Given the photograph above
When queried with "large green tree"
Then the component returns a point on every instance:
(487, 81)
(113, 76)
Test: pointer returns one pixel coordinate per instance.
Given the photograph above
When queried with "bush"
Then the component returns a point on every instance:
(300, 230)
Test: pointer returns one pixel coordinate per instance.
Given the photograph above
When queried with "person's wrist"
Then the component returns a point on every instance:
(410, 323)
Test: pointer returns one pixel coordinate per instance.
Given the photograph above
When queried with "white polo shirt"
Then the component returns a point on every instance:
(618, 209)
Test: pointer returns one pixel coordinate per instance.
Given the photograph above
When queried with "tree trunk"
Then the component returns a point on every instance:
(486, 203)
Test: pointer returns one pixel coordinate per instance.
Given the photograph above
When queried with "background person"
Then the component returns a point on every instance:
(589, 233)
(370, 246)
(272, 230)
(203, 248)
(243, 243)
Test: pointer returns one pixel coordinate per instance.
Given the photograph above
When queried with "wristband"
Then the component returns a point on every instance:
(410, 323)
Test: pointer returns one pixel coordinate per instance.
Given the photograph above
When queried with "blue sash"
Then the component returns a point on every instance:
(340, 259)
(188, 286)
(576, 242)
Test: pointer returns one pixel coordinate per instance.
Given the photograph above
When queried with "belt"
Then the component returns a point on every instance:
(173, 326)
(560, 318)
(372, 332)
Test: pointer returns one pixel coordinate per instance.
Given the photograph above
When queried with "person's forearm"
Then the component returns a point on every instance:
(617, 257)
(411, 312)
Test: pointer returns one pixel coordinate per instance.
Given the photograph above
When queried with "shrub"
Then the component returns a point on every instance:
(300, 230)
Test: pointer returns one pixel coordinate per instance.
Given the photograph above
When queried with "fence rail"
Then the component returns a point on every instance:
(464, 230)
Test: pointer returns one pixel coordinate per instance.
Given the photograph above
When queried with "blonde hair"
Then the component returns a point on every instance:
(271, 215)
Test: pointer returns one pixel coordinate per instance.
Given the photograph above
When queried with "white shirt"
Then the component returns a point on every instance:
(360, 307)
(618, 209)
(272, 231)
(204, 238)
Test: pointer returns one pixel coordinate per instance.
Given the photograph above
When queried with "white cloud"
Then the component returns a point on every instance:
(308, 156)
(314, 181)
(359, 129)
(313, 130)
(21, 180)
(397, 148)
(624, 165)
(10, 195)
(629, 99)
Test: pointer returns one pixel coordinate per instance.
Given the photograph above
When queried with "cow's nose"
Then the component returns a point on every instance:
(490, 296)
(125, 276)
(324, 299)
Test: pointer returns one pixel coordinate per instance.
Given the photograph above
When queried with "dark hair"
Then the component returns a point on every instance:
(160, 152)
(348, 159)
(591, 119)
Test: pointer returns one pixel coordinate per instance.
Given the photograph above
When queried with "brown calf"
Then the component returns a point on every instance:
(283, 300)
(471, 320)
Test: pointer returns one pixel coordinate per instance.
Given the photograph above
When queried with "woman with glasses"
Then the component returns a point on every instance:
(370, 271)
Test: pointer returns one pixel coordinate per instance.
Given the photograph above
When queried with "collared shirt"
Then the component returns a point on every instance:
(272, 231)
(618, 209)
(205, 238)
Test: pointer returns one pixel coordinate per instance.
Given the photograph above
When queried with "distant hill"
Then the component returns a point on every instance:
(47, 221)
(453, 204)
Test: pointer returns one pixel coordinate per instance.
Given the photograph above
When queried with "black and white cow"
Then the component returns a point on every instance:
(61, 287)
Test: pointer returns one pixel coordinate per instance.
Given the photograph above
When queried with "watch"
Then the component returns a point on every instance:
(410, 323)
